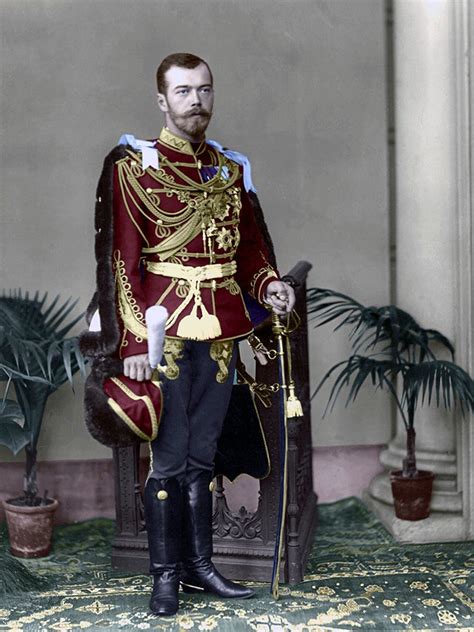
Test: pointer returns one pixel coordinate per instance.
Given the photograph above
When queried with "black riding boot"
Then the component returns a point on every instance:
(198, 572)
(163, 515)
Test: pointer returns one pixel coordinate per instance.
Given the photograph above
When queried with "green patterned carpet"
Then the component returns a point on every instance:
(358, 578)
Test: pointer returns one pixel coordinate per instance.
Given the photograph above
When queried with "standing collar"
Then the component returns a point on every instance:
(176, 142)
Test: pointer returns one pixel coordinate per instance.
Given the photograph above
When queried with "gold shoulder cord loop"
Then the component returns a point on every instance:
(210, 185)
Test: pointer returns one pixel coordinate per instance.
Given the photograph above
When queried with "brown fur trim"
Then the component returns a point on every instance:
(102, 346)
(106, 341)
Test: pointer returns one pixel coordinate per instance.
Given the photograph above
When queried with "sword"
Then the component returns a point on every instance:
(289, 407)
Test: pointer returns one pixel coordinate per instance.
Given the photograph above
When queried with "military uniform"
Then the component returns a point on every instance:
(185, 237)
(175, 226)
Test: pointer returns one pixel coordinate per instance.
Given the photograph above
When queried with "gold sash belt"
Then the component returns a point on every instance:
(191, 273)
(192, 326)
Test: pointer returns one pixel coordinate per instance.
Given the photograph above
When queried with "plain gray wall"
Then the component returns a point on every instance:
(300, 88)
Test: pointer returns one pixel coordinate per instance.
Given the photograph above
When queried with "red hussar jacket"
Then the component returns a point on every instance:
(185, 237)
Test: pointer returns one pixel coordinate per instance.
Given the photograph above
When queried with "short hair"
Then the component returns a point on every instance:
(182, 60)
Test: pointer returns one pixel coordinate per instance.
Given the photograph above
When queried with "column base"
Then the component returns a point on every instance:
(442, 500)
(438, 527)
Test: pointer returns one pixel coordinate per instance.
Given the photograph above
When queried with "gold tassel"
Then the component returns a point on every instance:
(211, 327)
(195, 328)
(190, 327)
(293, 404)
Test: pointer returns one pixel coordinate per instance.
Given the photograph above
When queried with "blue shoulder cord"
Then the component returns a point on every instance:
(150, 156)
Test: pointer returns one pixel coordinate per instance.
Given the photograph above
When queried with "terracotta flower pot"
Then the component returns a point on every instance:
(412, 496)
(30, 529)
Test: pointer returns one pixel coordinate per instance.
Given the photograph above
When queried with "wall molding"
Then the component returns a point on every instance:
(464, 22)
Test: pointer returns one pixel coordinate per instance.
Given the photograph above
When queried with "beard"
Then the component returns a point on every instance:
(193, 123)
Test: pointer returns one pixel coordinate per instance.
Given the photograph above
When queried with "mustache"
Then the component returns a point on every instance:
(198, 112)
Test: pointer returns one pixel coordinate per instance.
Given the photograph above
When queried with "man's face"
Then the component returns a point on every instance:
(188, 101)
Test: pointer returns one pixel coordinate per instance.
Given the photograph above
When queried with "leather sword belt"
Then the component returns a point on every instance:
(192, 326)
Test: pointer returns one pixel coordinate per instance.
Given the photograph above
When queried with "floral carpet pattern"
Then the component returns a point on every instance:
(357, 578)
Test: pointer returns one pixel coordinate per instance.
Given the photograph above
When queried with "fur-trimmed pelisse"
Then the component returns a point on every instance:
(101, 347)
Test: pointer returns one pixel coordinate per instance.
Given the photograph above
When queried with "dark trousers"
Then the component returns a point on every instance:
(194, 408)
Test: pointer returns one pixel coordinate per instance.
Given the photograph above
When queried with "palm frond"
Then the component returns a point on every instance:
(22, 354)
(9, 319)
(34, 352)
(441, 380)
(61, 333)
(60, 314)
(436, 336)
(81, 361)
(50, 308)
(12, 434)
(371, 326)
(325, 305)
(355, 372)
(23, 316)
(18, 375)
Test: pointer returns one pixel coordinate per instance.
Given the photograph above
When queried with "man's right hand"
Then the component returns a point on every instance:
(137, 367)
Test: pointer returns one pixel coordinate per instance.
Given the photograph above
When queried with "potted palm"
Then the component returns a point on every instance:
(387, 343)
(36, 358)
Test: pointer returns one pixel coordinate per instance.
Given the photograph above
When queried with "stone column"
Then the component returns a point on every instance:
(426, 233)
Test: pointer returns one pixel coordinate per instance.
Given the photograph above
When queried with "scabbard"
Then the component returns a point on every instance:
(278, 330)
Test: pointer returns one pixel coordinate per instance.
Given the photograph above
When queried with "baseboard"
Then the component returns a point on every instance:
(85, 488)
(342, 471)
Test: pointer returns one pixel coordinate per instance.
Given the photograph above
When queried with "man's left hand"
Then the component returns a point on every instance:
(280, 297)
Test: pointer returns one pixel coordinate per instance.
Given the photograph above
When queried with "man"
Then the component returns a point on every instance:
(185, 237)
